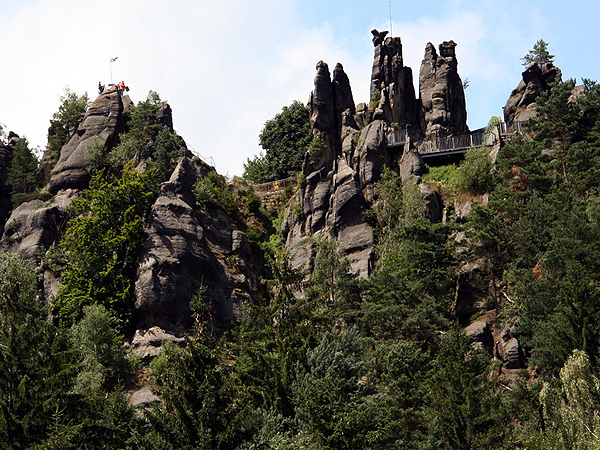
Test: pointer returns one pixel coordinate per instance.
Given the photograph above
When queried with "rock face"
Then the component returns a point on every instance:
(442, 94)
(331, 111)
(102, 123)
(394, 82)
(340, 183)
(187, 247)
(38, 223)
(521, 103)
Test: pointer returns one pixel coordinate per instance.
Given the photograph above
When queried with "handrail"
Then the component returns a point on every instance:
(456, 143)
(275, 185)
(396, 138)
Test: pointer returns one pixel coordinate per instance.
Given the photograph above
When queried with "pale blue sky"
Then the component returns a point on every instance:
(227, 66)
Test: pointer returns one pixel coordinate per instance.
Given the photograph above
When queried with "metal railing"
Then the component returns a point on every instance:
(515, 127)
(396, 138)
(275, 185)
(456, 143)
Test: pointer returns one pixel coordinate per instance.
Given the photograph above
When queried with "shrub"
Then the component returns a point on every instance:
(213, 190)
(475, 173)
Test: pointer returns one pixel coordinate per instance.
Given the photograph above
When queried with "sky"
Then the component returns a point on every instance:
(228, 66)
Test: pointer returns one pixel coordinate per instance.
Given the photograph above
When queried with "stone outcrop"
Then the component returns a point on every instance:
(393, 82)
(36, 223)
(442, 93)
(188, 247)
(102, 123)
(340, 182)
(521, 103)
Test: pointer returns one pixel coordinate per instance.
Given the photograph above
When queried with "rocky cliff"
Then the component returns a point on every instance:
(186, 246)
(340, 183)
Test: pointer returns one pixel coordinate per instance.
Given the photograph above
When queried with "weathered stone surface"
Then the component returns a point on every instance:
(521, 103)
(513, 355)
(35, 224)
(394, 82)
(102, 121)
(442, 93)
(411, 164)
(480, 331)
(143, 397)
(146, 344)
(187, 247)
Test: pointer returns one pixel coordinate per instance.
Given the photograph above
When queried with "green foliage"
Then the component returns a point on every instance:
(167, 149)
(539, 54)
(213, 190)
(475, 173)
(65, 121)
(374, 100)
(29, 372)
(328, 390)
(445, 176)
(101, 243)
(198, 409)
(257, 169)
(103, 365)
(316, 149)
(21, 174)
(147, 137)
(285, 139)
(463, 408)
(571, 407)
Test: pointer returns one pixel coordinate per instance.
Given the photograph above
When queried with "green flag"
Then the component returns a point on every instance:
(113, 59)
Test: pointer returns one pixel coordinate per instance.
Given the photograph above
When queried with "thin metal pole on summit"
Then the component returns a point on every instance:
(391, 32)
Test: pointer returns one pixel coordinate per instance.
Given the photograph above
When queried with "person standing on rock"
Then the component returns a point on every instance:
(100, 87)
(121, 87)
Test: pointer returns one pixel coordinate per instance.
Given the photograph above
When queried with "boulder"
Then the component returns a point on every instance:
(35, 224)
(143, 397)
(442, 93)
(480, 331)
(146, 344)
(411, 164)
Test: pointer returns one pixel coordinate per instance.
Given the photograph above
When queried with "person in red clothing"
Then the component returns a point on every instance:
(121, 87)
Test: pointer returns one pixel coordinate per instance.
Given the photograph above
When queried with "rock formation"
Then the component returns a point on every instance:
(187, 247)
(442, 94)
(39, 223)
(103, 122)
(521, 103)
(340, 184)
(393, 82)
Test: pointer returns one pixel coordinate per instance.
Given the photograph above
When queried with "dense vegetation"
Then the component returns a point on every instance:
(324, 360)
(285, 139)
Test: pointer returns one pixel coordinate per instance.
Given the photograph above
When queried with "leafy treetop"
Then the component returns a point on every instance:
(539, 54)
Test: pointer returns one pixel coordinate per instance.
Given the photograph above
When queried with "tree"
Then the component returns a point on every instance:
(102, 242)
(539, 54)
(285, 138)
(65, 121)
(571, 408)
(29, 374)
(21, 174)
